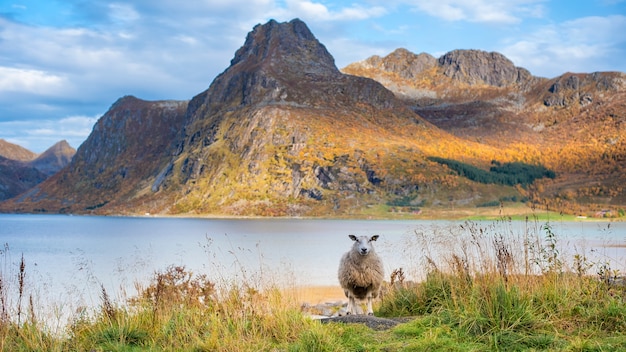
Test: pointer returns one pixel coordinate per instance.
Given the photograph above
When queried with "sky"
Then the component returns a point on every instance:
(63, 63)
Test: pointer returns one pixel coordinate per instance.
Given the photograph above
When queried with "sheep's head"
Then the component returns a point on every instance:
(363, 244)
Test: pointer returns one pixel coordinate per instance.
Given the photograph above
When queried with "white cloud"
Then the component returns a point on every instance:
(29, 81)
(316, 11)
(581, 45)
(484, 11)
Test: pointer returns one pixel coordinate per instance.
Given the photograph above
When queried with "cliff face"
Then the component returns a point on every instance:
(476, 67)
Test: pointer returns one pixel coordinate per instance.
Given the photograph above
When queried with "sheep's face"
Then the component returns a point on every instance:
(363, 244)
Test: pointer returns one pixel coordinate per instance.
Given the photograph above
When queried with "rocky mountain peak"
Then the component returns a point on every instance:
(54, 158)
(289, 45)
(407, 64)
(481, 67)
(283, 64)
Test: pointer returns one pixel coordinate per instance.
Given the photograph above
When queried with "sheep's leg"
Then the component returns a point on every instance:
(370, 311)
(358, 310)
(351, 309)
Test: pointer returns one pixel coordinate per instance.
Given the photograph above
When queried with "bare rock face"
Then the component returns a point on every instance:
(289, 47)
(579, 89)
(480, 67)
(268, 69)
(403, 62)
(126, 147)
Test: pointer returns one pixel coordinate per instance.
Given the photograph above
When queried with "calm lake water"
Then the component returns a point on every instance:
(68, 258)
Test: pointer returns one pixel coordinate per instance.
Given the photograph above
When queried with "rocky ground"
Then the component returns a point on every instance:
(336, 312)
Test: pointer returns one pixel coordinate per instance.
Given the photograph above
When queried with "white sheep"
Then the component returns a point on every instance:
(361, 273)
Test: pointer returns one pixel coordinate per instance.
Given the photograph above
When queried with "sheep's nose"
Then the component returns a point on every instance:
(363, 250)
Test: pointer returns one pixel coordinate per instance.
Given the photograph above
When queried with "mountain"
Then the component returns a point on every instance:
(17, 177)
(15, 152)
(283, 132)
(54, 158)
(573, 123)
(21, 169)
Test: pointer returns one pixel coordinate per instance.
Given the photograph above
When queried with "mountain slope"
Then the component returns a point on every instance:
(17, 177)
(573, 123)
(15, 152)
(54, 158)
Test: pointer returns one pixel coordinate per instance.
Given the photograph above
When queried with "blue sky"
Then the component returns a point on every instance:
(63, 63)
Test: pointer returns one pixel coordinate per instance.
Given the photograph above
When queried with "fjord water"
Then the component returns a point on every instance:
(72, 257)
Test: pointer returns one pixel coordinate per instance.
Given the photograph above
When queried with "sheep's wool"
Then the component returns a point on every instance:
(361, 274)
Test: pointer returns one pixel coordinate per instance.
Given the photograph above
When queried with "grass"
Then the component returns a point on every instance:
(487, 288)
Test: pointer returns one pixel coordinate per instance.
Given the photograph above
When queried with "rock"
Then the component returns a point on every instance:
(480, 67)
(372, 322)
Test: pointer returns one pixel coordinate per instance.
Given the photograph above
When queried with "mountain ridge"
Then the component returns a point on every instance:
(15, 152)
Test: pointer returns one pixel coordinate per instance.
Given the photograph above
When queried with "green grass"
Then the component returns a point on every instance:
(486, 292)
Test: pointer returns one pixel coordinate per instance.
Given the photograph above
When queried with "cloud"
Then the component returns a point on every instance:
(316, 11)
(483, 11)
(28, 81)
(582, 45)
(42, 134)
(123, 12)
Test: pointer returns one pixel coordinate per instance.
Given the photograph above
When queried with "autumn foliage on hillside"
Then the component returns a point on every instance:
(573, 124)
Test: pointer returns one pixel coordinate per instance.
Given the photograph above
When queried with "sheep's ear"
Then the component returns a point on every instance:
(352, 237)
(374, 238)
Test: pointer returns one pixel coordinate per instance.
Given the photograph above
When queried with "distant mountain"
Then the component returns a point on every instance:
(17, 177)
(283, 132)
(15, 152)
(21, 169)
(54, 158)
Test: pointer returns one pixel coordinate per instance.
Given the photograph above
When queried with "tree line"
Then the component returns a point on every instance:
(510, 174)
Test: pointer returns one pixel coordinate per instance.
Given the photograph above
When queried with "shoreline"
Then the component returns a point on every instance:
(516, 213)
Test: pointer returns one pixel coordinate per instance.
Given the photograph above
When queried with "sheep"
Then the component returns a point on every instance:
(361, 273)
